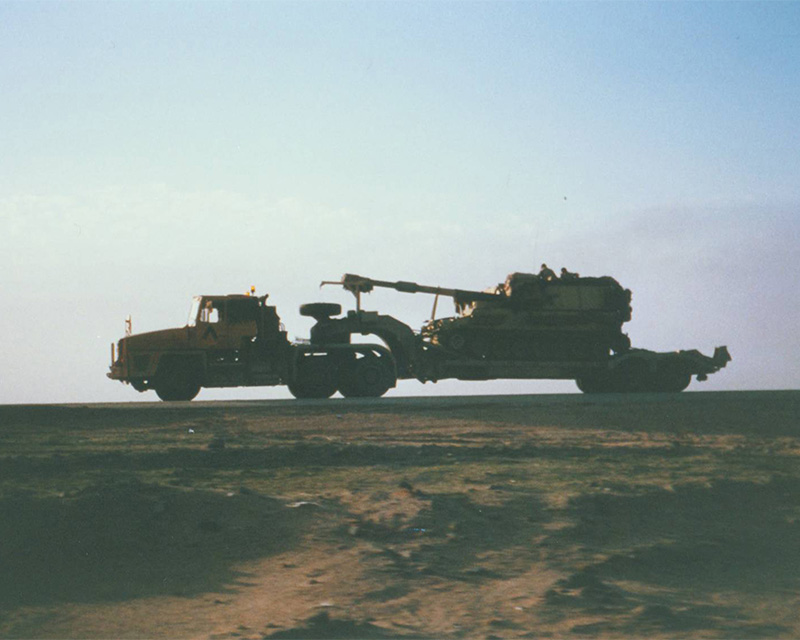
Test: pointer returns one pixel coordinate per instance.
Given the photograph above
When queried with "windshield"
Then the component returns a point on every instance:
(194, 311)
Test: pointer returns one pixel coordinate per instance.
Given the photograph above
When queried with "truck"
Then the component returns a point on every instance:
(531, 326)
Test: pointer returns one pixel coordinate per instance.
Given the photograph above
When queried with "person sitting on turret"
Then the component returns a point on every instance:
(547, 274)
(568, 275)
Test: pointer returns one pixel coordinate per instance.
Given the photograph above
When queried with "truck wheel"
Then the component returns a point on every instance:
(176, 382)
(368, 377)
(316, 377)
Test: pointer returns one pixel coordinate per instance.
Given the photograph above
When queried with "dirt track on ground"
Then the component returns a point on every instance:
(656, 516)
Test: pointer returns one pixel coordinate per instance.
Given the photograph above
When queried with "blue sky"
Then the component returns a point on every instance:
(153, 151)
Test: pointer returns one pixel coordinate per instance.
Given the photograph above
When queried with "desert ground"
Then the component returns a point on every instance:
(543, 516)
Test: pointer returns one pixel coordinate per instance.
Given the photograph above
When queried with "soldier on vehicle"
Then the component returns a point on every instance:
(568, 275)
(547, 274)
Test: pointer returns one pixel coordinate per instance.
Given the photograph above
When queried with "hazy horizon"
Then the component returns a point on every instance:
(156, 151)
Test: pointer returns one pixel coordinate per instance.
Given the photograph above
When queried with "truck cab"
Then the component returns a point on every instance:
(231, 340)
(223, 325)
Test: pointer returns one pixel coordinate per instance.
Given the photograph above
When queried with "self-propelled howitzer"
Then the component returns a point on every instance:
(533, 326)
(527, 317)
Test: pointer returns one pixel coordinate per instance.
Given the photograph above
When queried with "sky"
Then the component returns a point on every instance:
(153, 151)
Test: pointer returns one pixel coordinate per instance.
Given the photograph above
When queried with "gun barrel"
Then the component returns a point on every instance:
(359, 284)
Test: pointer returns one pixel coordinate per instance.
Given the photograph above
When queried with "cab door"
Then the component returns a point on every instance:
(210, 331)
(241, 322)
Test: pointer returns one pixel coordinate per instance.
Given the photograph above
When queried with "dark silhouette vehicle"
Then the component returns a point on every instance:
(528, 327)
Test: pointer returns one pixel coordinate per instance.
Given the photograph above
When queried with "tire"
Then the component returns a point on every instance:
(594, 384)
(319, 310)
(367, 377)
(315, 377)
(671, 378)
(177, 383)
(633, 376)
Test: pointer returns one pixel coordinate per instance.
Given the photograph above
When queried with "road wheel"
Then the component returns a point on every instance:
(315, 377)
(177, 383)
(367, 377)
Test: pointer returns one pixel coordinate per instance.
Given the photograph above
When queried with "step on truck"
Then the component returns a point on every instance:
(531, 326)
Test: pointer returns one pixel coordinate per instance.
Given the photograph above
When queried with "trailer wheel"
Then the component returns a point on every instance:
(176, 382)
(315, 377)
(632, 376)
(671, 378)
(367, 377)
(594, 384)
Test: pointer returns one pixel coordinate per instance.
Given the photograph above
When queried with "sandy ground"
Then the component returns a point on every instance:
(655, 516)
